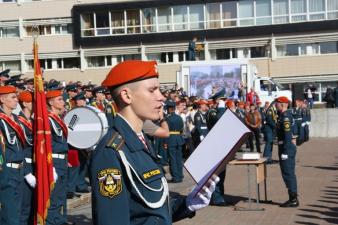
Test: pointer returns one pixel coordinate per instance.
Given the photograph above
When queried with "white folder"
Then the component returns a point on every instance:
(217, 148)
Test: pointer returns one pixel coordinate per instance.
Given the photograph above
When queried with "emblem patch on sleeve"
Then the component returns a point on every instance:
(287, 126)
(110, 182)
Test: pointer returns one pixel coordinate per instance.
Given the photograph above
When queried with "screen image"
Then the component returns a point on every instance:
(208, 79)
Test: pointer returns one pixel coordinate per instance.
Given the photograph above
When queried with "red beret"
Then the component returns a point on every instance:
(130, 71)
(53, 94)
(202, 101)
(282, 99)
(7, 89)
(241, 103)
(230, 103)
(25, 96)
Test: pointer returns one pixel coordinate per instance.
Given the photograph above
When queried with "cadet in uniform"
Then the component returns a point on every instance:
(175, 143)
(4, 76)
(217, 198)
(25, 100)
(287, 151)
(128, 185)
(201, 128)
(71, 90)
(297, 114)
(102, 104)
(57, 212)
(11, 184)
(269, 131)
(81, 184)
(306, 120)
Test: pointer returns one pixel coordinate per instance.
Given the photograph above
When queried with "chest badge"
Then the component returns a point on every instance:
(110, 182)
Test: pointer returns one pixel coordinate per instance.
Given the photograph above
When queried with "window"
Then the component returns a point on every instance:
(46, 64)
(102, 23)
(328, 47)
(332, 5)
(148, 20)
(14, 66)
(117, 22)
(182, 56)
(133, 21)
(98, 61)
(317, 9)
(164, 19)
(196, 16)
(63, 29)
(229, 13)
(266, 85)
(180, 18)
(258, 52)
(280, 11)
(263, 12)
(213, 15)
(68, 63)
(246, 12)
(223, 54)
(298, 10)
(121, 58)
(87, 24)
(287, 50)
(9, 32)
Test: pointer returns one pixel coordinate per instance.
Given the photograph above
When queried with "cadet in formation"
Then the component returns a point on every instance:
(128, 185)
(287, 150)
(175, 143)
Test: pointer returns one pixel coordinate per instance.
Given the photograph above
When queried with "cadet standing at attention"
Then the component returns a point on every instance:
(287, 151)
(175, 143)
(128, 185)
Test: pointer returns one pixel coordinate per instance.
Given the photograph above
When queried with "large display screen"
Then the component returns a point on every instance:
(207, 79)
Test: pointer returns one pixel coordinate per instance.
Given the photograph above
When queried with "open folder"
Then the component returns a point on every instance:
(217, 148)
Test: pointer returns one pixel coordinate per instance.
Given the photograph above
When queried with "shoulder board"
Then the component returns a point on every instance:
(116, 141)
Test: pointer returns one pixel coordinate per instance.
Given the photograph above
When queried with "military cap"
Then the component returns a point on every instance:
(80, 96)
(219, 94)
(130, 71)
(87, 87)
(20, 86)
(5, 73)
(16, 77)
(30, 81)
(10, 82)
(53, 93)
(54, 85)
(98, 89)
(25, 96)
(282, 99)
(71, 87)
(7, 89)
(171, 104)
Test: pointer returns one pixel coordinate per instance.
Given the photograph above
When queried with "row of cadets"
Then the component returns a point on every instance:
(57, 212)
(12, 173)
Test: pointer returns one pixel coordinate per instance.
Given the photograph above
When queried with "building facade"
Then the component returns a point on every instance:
(293, 41)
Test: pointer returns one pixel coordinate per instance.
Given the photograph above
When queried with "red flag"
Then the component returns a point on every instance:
(42, 144)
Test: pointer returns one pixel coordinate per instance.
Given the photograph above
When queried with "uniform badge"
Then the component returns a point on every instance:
(287, 126)
(110, 182)
(109, 110)
(198, 118)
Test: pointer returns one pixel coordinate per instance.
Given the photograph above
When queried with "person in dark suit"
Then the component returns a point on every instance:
(128, 186)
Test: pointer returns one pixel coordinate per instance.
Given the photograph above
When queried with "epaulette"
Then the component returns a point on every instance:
(116, 141)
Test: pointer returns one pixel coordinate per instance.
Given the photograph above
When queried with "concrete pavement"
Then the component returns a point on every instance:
(317, 174)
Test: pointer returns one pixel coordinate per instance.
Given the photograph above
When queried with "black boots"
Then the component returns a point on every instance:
(292, 202)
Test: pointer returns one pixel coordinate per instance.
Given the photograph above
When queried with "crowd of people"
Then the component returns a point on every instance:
(169, 135)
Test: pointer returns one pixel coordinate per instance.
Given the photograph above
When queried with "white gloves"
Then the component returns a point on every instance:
(31, 180)
(201, 137)
(55, 175)
(303, 124)
(284, 157)
(221, 104)
(200, 200)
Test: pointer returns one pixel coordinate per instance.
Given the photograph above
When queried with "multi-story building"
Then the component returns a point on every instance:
(293, 41)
